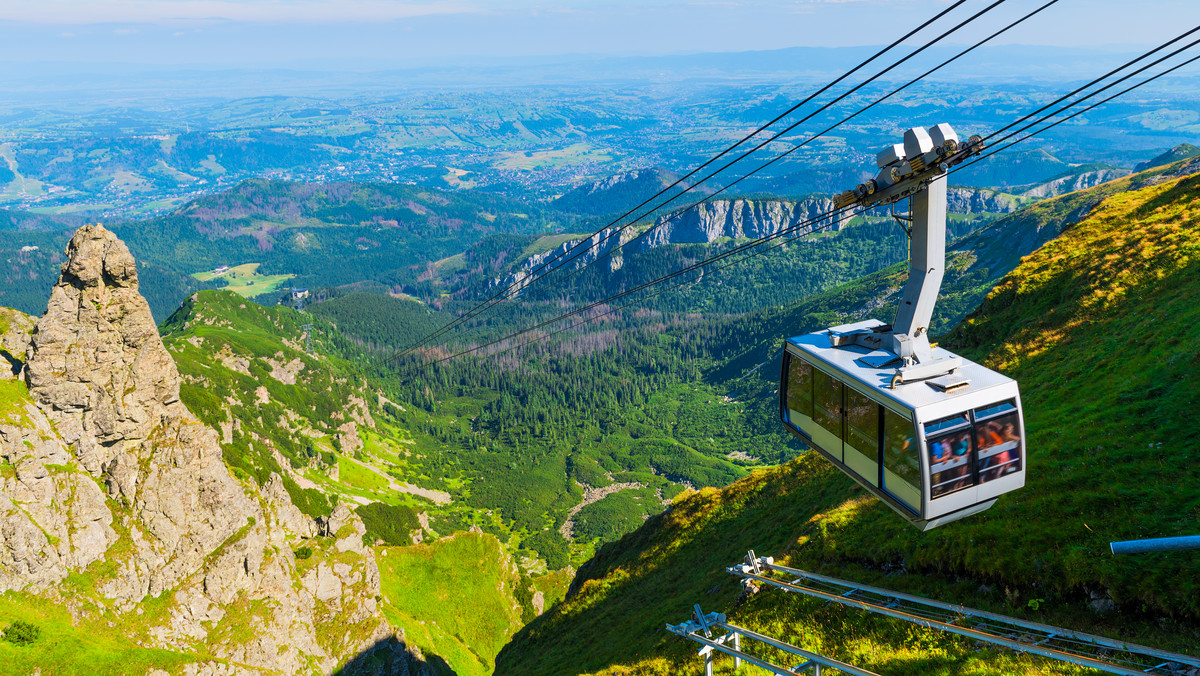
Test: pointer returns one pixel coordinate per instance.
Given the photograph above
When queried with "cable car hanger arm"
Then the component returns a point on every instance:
(915, 168)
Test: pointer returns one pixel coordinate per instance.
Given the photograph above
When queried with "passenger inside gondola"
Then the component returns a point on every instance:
(949, 463)
(999, 448)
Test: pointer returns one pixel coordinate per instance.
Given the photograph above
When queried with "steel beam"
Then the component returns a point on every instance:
(957, 613)
(691, 631)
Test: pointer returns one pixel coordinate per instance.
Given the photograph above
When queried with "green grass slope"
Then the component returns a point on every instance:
(317, 421)
(455, 598)
(70, 645)
(1179, 152)
(1097, 326)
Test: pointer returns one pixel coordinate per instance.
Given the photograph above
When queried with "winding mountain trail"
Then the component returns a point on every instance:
(435, 496)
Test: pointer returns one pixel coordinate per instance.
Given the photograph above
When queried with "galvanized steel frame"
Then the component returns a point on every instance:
(923, 612)
(699, 629)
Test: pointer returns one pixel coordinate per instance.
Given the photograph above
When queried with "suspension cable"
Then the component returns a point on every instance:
(510, 290)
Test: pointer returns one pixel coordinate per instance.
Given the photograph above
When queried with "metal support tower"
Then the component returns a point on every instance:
(1098, 652)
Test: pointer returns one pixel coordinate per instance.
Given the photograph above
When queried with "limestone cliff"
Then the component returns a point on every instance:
(730, 218)
(107, 477)
(15, 327)
(736, 218)
(1074, 182)
(961, 200)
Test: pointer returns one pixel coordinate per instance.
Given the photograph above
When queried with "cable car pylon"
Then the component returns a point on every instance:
(917, 169)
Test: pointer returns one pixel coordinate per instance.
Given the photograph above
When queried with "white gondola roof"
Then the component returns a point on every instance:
(849, 362)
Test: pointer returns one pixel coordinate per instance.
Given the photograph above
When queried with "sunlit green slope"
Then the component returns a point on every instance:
(334, 436)
(1098, 326)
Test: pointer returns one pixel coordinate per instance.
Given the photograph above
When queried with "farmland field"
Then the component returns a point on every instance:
(576, 153)
(244, 280)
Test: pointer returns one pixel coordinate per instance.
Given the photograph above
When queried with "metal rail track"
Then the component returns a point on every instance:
(699, 629)
(1098, 652)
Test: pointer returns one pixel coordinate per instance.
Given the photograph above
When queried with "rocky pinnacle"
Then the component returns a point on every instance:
(96, 363)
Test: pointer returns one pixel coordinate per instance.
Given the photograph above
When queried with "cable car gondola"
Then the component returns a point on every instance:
(936, 436)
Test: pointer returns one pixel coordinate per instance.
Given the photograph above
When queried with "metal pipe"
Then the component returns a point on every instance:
(1155, 545)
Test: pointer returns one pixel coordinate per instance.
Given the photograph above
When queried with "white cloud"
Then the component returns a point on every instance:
(269, 11)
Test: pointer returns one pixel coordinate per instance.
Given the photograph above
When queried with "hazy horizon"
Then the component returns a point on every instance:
(304, 33)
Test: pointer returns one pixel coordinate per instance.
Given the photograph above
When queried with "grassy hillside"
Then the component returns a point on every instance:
(316, 420)
(1179, 152)
(1097, 326)
(456, 598)
(74, 644)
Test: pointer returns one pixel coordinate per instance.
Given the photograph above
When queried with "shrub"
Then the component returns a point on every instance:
(390, 523)
(303, 553)
(552, 547)
(310, 501)
(22, 633)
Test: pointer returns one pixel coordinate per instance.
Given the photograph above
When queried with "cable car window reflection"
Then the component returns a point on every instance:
(997, 441)
(862, 436)
(901, 461)
(950, 457)
(827, 412)
(799, 389)
(946, 423)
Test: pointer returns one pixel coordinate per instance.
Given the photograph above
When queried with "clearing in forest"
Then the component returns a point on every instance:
(244, 280)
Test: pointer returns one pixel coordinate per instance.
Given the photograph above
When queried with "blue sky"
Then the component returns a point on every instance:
(411, 32)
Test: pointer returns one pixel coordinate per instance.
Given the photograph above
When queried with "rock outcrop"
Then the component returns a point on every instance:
(730, 218)
(55, 519)
(1066, 184)
(99, 449)
(99, 371)
(738, 219)
(15, 328)
(979, 200)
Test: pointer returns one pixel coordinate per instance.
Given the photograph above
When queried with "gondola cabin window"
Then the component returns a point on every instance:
(951, 466)
(872, 442)
(973, 448)
(901, 460)
(862, 436)
(997, 441)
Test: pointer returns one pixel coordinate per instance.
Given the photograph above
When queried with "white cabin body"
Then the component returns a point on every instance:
(934, 451)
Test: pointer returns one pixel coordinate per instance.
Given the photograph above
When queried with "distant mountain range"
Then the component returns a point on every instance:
(428, 242)
(994, 63)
